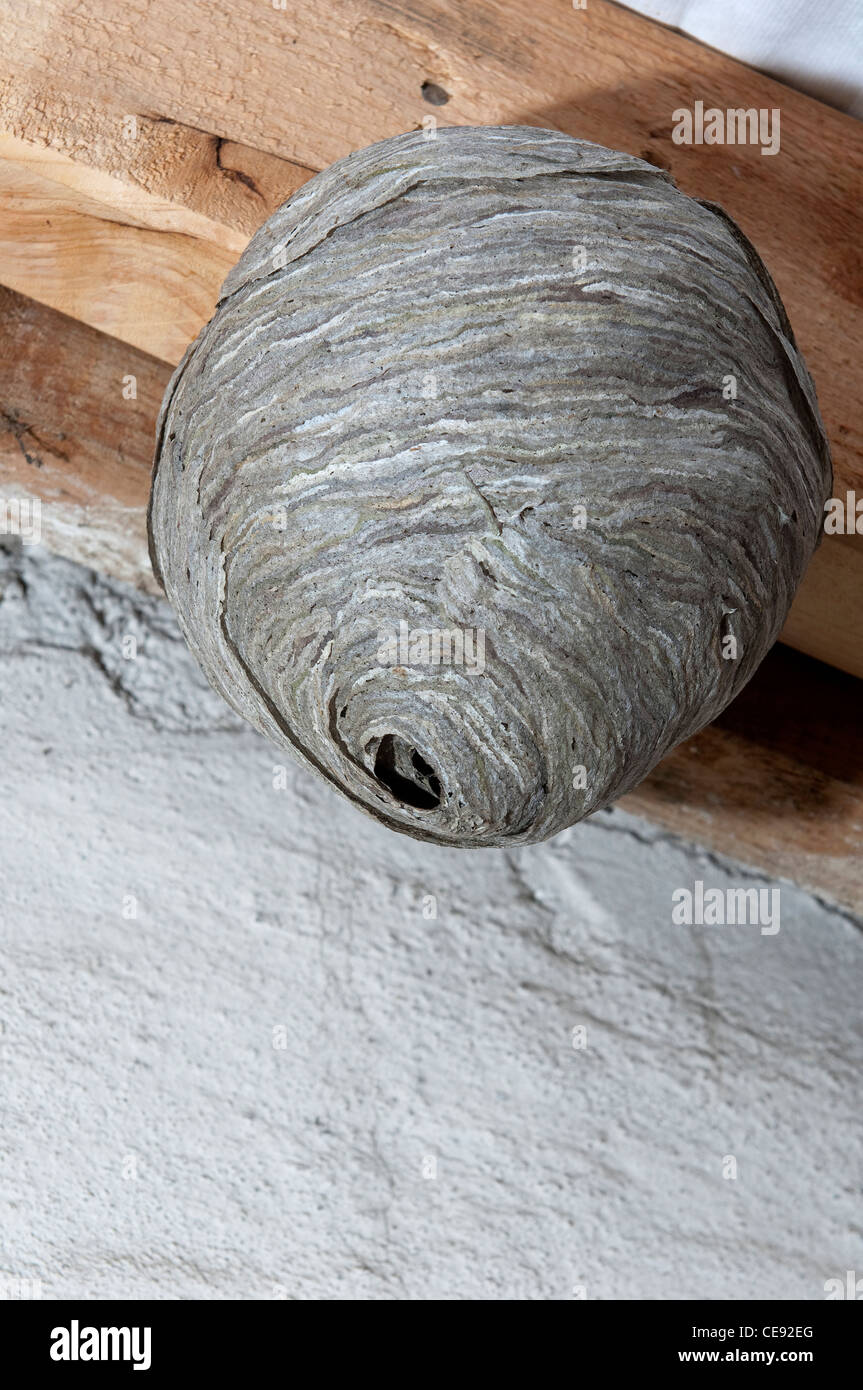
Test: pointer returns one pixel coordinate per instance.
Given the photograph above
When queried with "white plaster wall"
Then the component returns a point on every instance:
(412, 1046)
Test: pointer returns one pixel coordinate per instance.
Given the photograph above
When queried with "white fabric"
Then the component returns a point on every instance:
(814, 46)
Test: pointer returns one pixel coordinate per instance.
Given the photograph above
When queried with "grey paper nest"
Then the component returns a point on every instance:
(490, 480)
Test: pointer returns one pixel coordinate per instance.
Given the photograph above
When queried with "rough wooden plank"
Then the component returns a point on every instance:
(826, 618)
(146, 267)
(777, 780)
(166, 175)
(128, 224)
(356, 73)
(142, 286)
(77, 419)
(145, 264)
(309, 85)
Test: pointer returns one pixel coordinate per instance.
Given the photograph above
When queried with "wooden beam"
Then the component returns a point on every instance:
(776, 781)
(126, 223)
(309, 84)
(142, 148)
(826, 618)
(151, 170)
(77, 421)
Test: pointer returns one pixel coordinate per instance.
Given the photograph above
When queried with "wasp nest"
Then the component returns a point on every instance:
(490, 480)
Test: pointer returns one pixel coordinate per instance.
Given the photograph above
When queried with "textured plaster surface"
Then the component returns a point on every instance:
(428, 1129)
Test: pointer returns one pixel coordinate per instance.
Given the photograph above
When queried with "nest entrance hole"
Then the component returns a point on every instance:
(404, 771)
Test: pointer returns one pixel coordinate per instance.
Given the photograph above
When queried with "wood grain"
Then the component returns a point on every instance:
(130, 228)
(234, 107)
(173, 177)
(776, 781)
(309, 84)
(73, 435)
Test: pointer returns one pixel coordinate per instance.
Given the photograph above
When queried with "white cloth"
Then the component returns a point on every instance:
(816, 47)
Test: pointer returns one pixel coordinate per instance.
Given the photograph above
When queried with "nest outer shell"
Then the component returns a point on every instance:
(420, 366)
